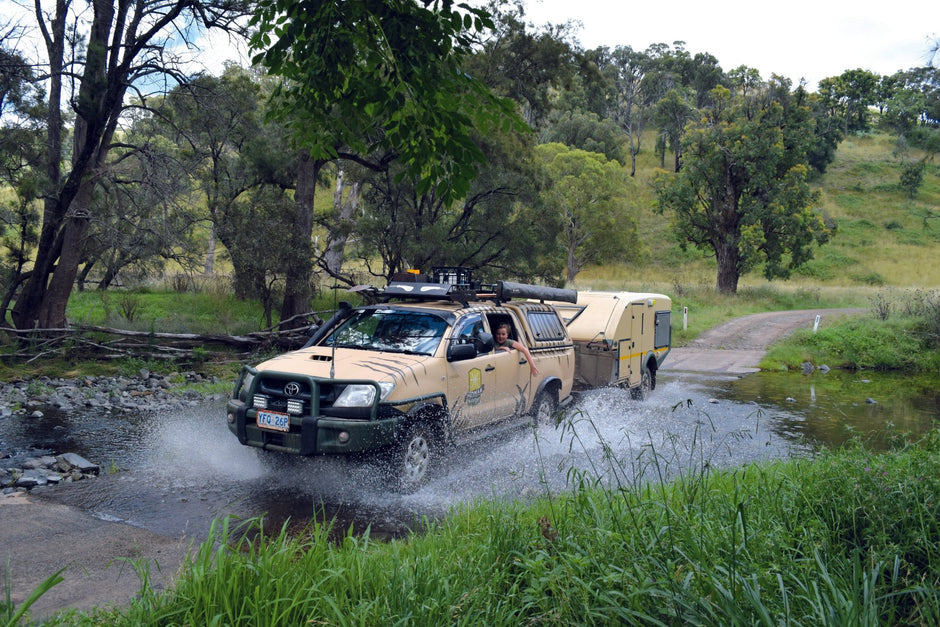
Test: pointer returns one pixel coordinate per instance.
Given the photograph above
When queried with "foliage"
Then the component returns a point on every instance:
(528, 66)
(742, 191)
(586, 131)
(362, 78)
(912, 177)
(902, 333)
(849, 95)
(588, 198)
(403, 229)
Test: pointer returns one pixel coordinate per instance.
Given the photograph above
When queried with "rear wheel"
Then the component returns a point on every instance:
(543, 409)
(642, 391)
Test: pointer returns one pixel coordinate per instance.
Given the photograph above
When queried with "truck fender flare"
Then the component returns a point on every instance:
(435, 413)
(550, 383)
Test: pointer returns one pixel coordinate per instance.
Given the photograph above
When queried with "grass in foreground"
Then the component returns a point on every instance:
(849, 538)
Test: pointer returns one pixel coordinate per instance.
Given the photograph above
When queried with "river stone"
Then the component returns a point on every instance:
(31, 479)
(39, 462)
(72, 461)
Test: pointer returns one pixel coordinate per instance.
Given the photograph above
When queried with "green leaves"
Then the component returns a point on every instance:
(742, 190)
(381, 76)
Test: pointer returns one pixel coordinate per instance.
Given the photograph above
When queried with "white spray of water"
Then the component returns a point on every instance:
(606, 437)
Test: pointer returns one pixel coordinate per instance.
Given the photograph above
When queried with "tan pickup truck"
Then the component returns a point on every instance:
(419, 372)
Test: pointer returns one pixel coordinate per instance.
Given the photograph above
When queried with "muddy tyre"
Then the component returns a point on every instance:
(544, 408)
(410, 462)
(642, 391)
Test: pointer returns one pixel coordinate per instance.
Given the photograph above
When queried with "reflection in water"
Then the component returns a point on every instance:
(182, 469)
(831, 408)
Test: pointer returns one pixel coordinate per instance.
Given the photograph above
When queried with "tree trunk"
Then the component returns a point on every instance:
(210, 253)
(727, 255)
(338, 233)
(52, 312)
(26, 310)
(299, 271)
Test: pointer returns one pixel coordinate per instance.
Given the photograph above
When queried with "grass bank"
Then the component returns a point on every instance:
(851, 537)
(900, 333)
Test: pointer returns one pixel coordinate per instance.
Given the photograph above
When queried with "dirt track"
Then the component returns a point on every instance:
(737, 346)
(41, 536)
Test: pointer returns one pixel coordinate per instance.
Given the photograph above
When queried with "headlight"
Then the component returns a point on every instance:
(361, 394)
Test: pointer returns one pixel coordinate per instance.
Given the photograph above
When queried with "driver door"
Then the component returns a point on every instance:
(512, 375)
(471, 383)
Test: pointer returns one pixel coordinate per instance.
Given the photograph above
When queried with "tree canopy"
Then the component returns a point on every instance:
(742, 191)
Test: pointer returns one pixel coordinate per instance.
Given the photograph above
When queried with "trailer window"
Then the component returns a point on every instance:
(546, 325)
(663, 332)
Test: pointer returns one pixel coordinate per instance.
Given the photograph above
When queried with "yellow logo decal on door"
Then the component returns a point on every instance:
(474, 386)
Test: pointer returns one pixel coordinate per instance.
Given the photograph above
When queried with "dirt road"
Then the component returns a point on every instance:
(40, 535)
(737, 346)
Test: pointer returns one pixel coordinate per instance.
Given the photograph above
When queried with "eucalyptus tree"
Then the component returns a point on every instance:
(742, 191)
(381, 78)
(850, 94)
(585, 130)
(589, 198)
(671, 114)
(527, 64)
(489, 229)
(630, 101)
(231, 154)
(20, 165)
(125, 48)
(144, 217)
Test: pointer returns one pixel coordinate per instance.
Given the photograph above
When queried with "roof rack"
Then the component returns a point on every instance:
(464, 294)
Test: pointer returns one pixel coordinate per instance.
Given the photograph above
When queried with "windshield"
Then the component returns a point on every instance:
(390, 330)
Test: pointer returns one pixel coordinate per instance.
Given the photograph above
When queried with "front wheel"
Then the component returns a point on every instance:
(543, 409)
(642, 391)
(410, 461)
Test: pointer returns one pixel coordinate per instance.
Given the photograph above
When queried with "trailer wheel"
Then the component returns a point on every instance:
(642, 391)
(410, 461)
(543, 409)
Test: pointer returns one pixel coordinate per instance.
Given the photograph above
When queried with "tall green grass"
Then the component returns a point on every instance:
(901, 332)
(850, 537)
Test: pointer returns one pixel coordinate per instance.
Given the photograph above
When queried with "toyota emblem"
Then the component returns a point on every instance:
(292, 389)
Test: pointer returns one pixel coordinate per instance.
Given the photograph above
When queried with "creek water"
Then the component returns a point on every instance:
(174, 473)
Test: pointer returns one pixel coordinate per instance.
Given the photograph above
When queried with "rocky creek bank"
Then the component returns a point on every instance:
(33, 467)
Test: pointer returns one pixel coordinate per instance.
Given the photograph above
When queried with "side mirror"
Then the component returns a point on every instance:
(460, 352)
(485, 342)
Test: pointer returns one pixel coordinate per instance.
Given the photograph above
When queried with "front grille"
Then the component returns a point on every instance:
(276, 390)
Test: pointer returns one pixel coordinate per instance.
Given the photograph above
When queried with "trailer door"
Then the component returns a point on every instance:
(631, 353)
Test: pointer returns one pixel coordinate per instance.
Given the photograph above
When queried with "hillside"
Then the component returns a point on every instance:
(882, 238)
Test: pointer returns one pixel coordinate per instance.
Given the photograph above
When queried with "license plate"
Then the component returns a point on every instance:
(276, 420)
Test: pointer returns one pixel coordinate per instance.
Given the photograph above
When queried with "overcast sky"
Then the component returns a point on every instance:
(810, 39)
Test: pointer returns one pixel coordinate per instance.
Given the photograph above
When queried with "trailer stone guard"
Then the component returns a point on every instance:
(405, 379)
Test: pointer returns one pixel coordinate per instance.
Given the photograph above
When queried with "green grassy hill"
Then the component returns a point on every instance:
(882, 238)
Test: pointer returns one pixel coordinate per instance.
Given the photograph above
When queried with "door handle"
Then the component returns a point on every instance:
(490, 368)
